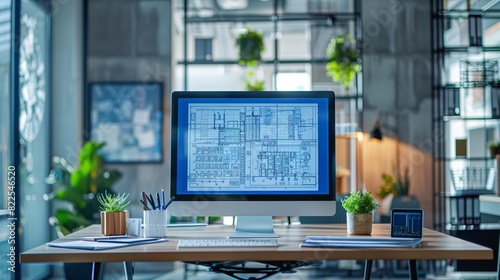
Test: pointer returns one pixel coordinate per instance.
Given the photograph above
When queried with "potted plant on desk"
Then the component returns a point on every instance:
(113, 213)
(359, 206)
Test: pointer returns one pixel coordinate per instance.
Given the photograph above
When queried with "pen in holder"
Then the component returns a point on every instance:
(155, 223)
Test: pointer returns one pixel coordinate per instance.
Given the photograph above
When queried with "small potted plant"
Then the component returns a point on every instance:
(113, 213)
(494, 147)
(359, 206)
(250, 45)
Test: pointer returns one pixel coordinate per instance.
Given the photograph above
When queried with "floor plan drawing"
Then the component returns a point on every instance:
(253, 147)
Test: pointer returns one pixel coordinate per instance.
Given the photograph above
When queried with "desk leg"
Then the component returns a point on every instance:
(96, 271)
(413, 269)
(368, 269)
(129, 272)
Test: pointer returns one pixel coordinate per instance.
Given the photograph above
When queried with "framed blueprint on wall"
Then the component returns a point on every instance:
(129, 118)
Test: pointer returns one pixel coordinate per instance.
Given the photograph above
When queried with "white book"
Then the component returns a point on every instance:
(104, 244)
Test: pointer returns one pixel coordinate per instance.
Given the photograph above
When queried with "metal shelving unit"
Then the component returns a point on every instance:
(465, 57)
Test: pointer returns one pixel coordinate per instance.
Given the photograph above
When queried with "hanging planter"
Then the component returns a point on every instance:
(250, 45)
(345, 60)
(252, 82)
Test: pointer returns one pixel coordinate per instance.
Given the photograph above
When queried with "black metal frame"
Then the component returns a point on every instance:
(14, 117)
(234, 268)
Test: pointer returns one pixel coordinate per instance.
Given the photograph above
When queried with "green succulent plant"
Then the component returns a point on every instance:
(359, 202)
(113, 202)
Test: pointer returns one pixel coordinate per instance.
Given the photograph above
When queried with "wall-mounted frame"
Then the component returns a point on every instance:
(128, 116)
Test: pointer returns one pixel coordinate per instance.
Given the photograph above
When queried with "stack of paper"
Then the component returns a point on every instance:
(104, 242)
(359, 242)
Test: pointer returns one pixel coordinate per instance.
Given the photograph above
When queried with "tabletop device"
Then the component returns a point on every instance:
(407, 223)
(253, 155)
(191, 243)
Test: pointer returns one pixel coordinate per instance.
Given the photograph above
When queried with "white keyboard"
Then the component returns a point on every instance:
(190, 243)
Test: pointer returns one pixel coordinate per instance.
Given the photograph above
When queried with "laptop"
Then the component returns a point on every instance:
(407, 230)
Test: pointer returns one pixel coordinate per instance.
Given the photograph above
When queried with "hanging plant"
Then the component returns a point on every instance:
(345, 60)
(250, 44)
(251, 82)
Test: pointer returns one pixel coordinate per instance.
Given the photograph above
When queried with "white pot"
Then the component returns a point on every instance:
(359, 224)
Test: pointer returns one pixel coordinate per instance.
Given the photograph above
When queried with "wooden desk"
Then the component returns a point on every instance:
(435, 246)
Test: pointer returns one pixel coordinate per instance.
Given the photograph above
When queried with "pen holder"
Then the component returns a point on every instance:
(155, 223)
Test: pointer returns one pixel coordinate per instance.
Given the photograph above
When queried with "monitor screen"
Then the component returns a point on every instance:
(253, 153)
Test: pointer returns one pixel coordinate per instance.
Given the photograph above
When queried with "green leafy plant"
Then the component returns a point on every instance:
(344, 60)
(251, 82)
(113, 202)
(359, 202)
(250, 45)
(77, 187)
(398, 184)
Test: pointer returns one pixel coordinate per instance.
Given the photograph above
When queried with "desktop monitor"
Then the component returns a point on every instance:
(253, 155)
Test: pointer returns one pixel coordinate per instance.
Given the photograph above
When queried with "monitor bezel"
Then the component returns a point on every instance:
(176, 95)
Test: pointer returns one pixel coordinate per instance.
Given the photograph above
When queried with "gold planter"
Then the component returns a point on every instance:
(114, 223)
(359, 224)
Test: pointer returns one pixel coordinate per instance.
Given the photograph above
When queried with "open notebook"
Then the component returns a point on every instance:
(406, 231)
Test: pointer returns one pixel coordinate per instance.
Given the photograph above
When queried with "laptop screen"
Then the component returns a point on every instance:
(407, 223)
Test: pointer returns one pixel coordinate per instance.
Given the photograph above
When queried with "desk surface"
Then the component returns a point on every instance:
(435, 246)
(488, 204)
(492, 198)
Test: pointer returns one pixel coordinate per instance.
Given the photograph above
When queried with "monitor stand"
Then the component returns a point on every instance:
(254, 226)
